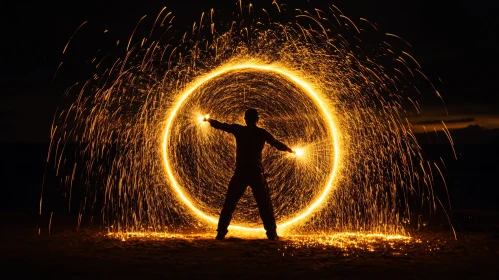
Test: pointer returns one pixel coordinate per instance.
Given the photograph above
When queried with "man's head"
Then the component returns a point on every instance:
(251, 117)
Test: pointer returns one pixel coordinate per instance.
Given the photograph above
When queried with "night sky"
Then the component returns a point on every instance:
(456, 44)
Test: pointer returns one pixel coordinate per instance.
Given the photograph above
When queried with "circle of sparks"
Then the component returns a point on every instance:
(313, 94)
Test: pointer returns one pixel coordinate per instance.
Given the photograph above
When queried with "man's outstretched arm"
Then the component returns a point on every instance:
(277, 144)
(220, 125)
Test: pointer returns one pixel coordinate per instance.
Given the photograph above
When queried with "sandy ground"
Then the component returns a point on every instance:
(91, 254)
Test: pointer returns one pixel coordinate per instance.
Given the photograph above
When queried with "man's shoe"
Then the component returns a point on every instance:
(220, 236)
(272, 236)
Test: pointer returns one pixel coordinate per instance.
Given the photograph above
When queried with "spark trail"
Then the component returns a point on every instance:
(337, 92)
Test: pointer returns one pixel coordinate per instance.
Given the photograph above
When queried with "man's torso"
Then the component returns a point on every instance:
(250, 141)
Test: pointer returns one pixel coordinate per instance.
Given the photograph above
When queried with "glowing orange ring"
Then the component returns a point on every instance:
(262, 67)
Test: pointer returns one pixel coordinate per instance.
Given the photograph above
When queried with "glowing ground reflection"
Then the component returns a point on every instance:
(345, 241)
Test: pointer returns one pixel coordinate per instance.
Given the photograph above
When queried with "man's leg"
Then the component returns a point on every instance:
(237, 186)
(261, 193)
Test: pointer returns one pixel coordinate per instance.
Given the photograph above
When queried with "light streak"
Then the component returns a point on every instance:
(67, 44)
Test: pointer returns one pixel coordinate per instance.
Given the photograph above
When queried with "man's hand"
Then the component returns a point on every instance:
(298, 152)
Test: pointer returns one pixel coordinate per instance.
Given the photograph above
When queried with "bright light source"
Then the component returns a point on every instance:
(299, 152)
(202, 118)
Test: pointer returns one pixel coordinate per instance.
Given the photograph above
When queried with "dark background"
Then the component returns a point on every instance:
(456, 44)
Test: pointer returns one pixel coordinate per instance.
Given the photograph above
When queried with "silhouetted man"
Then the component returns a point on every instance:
(250, 140)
